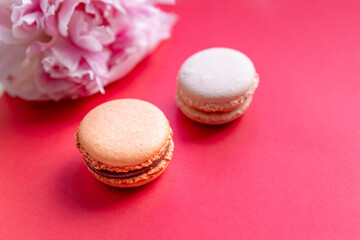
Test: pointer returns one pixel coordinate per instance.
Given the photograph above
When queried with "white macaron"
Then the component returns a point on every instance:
(216, 85)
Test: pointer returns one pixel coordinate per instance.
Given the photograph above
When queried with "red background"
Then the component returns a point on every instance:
(288, 169)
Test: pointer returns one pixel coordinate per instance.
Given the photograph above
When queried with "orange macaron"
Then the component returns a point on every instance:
(125, 143)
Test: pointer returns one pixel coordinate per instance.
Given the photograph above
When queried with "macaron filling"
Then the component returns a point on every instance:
(129, 174)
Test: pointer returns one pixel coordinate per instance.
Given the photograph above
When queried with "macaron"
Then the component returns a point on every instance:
(125, 143)
(216, 85)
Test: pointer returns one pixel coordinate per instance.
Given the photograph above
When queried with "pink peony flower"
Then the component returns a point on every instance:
(56, 49)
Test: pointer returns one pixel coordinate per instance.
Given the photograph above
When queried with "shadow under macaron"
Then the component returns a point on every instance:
(192, 130)
(78, 189)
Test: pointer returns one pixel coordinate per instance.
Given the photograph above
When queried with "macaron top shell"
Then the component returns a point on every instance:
(124, 132)
(216, 75)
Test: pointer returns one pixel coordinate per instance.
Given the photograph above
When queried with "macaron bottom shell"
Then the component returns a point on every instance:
(140, 179)
(213, 118)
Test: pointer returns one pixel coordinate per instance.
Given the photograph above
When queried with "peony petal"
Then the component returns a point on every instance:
(66, 54)
(65, 13)
(49, 7)
(171, 2)
(14, 57)
(32, 18)
(103, 34)
(98, 61)
(118, 4)
(26, 20)
(6, 35)
(100, 84)
(77, 26)
(23, 85)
